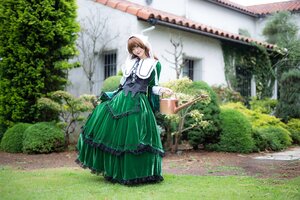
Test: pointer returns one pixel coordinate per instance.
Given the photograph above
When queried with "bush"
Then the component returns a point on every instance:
(225, 94)
(43, 137)
(272, 138)
(266, 106)
(210, 111)
(13, 138)
(257, 119)
(293, 126)
(289, 101)
(236, 132)
(111, 83)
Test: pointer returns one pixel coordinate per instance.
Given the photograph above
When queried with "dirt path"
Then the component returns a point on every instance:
(188, 162)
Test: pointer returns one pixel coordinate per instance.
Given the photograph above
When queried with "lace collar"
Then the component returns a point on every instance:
(144, 67)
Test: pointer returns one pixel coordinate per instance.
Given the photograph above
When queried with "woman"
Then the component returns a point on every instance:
(121, 139)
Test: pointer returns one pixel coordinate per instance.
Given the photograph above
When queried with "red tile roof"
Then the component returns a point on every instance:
(269, 8)
(262, 9)
(147, 13)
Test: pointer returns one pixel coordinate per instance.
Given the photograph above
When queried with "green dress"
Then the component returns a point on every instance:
(121, 139)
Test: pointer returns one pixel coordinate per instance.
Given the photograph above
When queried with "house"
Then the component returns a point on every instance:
(201, 24)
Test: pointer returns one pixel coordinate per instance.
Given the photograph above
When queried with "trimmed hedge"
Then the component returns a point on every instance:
(111, 83)
(12, 141)
(272, 138)
(236, 132)
(43, 137)
(293, 126)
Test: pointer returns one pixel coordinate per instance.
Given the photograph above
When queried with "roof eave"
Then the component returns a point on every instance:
(234, 8)
(154, 21)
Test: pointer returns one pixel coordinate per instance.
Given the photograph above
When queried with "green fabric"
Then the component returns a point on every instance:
(153, 98)
(121, 139)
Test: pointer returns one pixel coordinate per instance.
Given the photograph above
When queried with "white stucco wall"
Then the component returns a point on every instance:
(220, 17)
(207, 13)
(206, 50)
(118, 23)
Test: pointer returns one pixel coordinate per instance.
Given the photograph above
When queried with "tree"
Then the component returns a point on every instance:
(283, 31)
(175, 124)
(37, 38)
(70, 109)
(93, 40)
(177, 63)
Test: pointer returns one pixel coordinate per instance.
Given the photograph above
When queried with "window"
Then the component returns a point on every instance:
(188, 69)
(110, 64)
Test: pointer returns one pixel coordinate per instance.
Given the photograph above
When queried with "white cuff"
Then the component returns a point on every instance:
(157, 90)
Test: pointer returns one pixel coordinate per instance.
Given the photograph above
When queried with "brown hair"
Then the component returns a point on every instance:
(136, 42)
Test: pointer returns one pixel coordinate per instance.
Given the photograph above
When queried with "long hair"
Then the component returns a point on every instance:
(136, 42)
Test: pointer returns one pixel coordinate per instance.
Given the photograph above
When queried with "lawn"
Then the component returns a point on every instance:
(76, 183)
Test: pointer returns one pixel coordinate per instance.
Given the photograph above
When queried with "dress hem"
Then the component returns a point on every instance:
(131, 182)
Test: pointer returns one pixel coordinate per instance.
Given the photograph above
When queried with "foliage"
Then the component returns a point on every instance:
(37, 38)
(283, 31)
(111, 83)
(70, 109)
(210, 110)
(226, 94)
(272, 138)
(13, 138)
(266, 106)
(255, 60)
(256, 118)
(175, 124)
(289, 103)
(293, 126)
(236, 132)
(43, 137)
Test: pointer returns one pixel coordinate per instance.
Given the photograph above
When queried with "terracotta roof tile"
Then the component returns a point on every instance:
(264, 9)
(146, 13)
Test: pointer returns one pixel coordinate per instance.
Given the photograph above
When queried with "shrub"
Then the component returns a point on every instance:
(289, 101)
(293, 126)
(256, 118)
(13, 138)
(266, 106)
(225, 94)
(37, 40)
(272, 138)
(210, 111)
(43, 137)
(111, 83)
(70, 109)
(236, 132)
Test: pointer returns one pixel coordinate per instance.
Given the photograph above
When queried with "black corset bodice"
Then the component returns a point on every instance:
(134, 84)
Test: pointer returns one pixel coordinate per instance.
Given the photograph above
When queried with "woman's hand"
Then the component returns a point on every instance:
(166, 91)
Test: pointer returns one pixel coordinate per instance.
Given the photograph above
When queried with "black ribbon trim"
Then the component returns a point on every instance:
(131, 182)
(141, 148)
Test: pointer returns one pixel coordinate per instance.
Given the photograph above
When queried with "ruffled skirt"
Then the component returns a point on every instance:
(121, 140)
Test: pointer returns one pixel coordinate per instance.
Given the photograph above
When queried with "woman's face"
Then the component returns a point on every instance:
(139, 52)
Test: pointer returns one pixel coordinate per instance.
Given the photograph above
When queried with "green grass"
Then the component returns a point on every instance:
(75, 183)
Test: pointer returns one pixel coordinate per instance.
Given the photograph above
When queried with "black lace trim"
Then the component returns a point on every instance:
(136, 181)
(140, 149)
